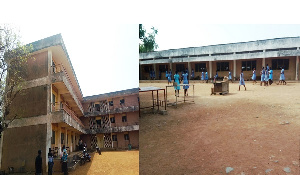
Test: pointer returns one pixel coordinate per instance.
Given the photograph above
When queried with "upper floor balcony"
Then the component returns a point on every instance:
(63, 82)
(63, 114)
(114, 127)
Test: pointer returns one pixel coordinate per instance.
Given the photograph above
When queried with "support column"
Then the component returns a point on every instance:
(59, 139)
(66, 133)
(140, 72)
(154, 68)
(297, 68)
(190, 69)
(171, 68)
(210, 69)
(234, 69)
(264, 62)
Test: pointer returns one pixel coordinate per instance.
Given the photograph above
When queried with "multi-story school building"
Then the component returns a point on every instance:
(223, 58)
(52, 112)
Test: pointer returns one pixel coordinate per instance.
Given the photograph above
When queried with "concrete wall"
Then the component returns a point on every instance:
(23, 143)
(31, 102)
(37, 67)
(134, 138)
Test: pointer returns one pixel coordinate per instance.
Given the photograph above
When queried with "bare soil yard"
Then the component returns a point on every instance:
(252, 132)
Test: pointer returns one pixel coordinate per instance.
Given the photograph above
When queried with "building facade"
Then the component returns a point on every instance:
(223, 58)
(50, 109)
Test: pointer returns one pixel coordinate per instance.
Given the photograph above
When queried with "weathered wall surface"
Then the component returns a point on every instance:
(31, 102)
(23, 143)
(38, 67)
(134, 138)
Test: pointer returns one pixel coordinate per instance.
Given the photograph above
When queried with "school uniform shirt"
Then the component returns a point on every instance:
(271, 75)
(254, 75)
(185, 81)
(176, 79)
(202, 76)
(282, 75)
(206, 76)
(262, 75)
(229, 76)
(242, 82)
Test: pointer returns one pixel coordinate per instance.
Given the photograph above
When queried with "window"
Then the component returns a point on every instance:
(222, 66)
(53, 137)
(62, 138)
(199, 67)
(278, 63)
(111, 103)
(126, 136)
(180, 67)
(114, 138)
(124, 118)
(98, 123)
(163, 68)
(248, 65)
(53, 99)
(122, 101)
(97, 106)
(112, 119)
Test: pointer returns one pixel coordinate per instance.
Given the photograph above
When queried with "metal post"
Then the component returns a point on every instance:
(157, 100)
(152, 100)
(166, 95)
(165, 101)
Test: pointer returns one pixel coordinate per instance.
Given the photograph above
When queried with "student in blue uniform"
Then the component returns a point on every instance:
(230, 77)
(202, 76)
(170, 76)
(268, 68)
(282, 77)
(242, 81)
(254, 76)
(193, 74)
(262, 76)
(270, 76)
(206, 76)
(176, 79)
(266, 77)
(185, 81)
(166, 74)
(216, 76)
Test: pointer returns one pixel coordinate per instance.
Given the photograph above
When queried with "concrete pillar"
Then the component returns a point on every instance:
(190, 69)
(140, 72)
(234, 69)
(210, 69)
(59, 139)
(154, 68)
(264, 62)
(297, 68)
(50, 69)
(66, 133)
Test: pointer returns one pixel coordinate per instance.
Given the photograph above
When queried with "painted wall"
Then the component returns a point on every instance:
(37, 67)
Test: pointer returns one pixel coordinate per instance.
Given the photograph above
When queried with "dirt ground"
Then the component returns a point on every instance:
(253, 132)
(113, 162)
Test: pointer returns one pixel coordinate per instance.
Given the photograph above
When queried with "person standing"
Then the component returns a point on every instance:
(166, 74)
(202, 76)
(271, 76)
(170, 76)
(282, 77)
(242, 81)
(216, 76)
(254, 76)
(267, 77)
(185, 81)
(206, 76)
(64, 165)
(193, 74)
(176, 80)
(50, 162)
(230, 77)
(262, 76)
(38, 163)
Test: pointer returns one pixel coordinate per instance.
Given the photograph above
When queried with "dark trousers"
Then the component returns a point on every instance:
(50, 167)
(65, 168)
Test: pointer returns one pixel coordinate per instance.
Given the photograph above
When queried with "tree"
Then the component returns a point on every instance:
(147, 40)
(13, 61)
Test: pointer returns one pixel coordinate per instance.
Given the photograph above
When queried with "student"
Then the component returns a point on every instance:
(206, 76)
(242, 81)
(216, 76)
(266, 77)
(50, 162)
(202, 76)
(166, 74)
(185, 81)
(267, 67)
(64, 160)
(193, 74)
(270, 76)
(176, 79)
(262, 74)
(230, 77)
(169, 76)
(282, 77)
(38, 163)
(254, 76)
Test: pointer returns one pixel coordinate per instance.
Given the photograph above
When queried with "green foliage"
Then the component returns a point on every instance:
(147, 40)
(13, 64)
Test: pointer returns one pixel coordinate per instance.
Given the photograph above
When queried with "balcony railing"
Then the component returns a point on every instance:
(114, 127)
(63, 107)
(60, 68)
(95, 112)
